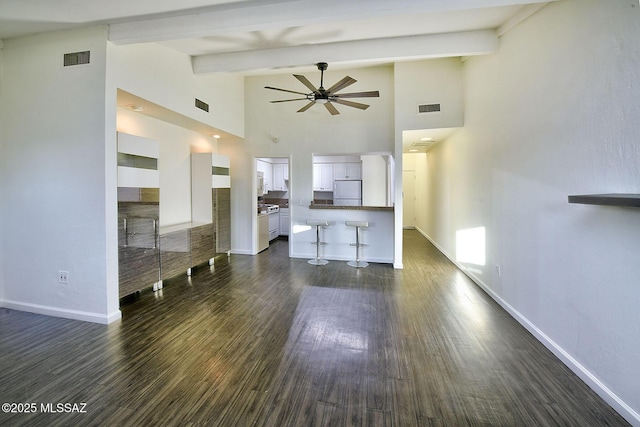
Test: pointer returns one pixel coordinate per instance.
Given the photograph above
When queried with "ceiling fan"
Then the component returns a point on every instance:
(327, 96)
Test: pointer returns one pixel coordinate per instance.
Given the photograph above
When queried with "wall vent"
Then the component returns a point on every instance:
(76, 58)
(202, 105)
(421, 143)
(428, 108)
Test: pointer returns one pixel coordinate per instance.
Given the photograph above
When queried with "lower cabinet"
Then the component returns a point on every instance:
(175, 253)
(138, 254)
(184, 246)
(202, 244)
(148, 255)
(284, 222)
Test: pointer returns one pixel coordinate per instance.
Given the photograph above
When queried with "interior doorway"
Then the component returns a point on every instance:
(274, 189)
(408, 199)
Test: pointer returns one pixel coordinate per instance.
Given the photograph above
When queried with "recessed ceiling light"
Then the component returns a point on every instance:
(137, 108)
(413, 150)
(426, 138)
(216, 136)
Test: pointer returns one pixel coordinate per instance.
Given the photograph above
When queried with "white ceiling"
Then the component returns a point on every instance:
(265, 36)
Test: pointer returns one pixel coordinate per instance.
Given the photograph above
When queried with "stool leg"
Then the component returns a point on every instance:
(357, 245)
(317, 260)
(357, 263)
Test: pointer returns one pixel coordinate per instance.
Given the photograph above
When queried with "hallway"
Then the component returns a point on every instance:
(273, 341)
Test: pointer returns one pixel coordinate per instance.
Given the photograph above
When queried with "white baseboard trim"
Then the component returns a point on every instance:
(241, 252)
(64, 313)
(626, 411)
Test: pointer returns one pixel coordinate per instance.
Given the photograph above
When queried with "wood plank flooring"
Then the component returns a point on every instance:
(273, 341)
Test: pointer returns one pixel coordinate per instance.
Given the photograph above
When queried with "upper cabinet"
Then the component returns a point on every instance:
(138, 161)
(275, 175)
(208, 171)
(323, 177)
(220, 176)
(280, 177)
(347, 171)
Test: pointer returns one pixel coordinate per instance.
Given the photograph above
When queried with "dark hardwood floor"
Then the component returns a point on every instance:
(273, 341)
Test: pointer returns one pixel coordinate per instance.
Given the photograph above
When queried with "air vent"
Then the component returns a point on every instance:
(202, 105)
(421, 144)
(428, 108)
(76, 58)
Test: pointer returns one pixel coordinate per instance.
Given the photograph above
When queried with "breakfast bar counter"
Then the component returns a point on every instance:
(353, 208)
(338, 237)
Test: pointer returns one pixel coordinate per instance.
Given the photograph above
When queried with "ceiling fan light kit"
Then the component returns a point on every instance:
(327, 97)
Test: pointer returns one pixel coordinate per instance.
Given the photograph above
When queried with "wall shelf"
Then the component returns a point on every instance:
(612, 199)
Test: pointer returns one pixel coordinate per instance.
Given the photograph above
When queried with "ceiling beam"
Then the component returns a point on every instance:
(385, 49)
(257, 16)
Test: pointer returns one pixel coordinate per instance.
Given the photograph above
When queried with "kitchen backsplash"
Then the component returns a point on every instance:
(283, 203)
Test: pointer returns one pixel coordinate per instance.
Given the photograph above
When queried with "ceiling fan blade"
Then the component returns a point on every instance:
(306, 107)
(351, 103)
(284, 90)
(371, 94)
(346, 81)
(287, 100)
(329, 106)
(306, 82)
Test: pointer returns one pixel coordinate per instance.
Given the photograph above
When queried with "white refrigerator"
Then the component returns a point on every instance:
(347, 193)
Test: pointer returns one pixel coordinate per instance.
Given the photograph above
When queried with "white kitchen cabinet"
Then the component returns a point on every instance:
(267, 169)
(284, 221)
(347, 171)
(280, 177)
(323, 177)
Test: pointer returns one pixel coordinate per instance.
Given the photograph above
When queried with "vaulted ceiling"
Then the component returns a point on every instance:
(254, 36)
(264, 36)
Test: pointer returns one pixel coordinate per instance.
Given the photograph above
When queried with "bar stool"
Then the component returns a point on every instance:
(317, 223)
(358, 225)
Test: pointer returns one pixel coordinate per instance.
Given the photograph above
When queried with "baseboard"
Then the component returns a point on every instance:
(58, 312)
(626, 411)
(241, 252)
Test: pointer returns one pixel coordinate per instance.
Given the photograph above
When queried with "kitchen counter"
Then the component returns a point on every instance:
(353, 208)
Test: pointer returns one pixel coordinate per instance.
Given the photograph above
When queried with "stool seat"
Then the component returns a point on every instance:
(361, 224)
(318, 223)
(358, 225)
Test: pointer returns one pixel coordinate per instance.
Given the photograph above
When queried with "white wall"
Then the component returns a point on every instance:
(174, 164)
(555, 112)
(2, 275)
(374, 180)
(417, 162)
(165, 77)
(436, 81)
(58, 158)
(53, 177)
(300, 136)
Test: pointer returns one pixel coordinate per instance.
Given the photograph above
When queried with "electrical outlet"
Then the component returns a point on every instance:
(498, 270)
(63, 276)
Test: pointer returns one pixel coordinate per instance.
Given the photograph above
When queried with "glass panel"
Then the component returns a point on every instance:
(216, 170)
(140, 162)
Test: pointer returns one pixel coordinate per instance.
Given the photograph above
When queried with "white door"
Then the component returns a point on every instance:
(408, 199)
